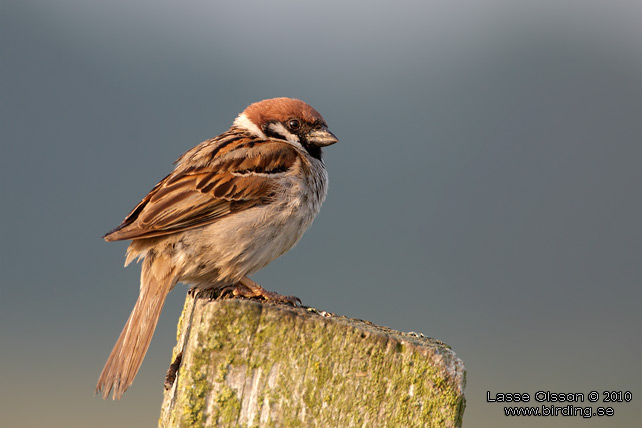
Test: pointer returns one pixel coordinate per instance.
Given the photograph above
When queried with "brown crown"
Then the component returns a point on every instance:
(281, 109)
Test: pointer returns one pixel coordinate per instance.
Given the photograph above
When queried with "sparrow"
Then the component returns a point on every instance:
(232, 205)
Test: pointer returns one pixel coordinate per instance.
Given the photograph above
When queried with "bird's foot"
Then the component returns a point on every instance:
(251, 290)
(206, 293)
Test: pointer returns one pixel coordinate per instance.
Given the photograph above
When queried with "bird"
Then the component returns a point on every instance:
(232, 205)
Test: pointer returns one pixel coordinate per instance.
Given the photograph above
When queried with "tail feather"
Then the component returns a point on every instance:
(157, 279)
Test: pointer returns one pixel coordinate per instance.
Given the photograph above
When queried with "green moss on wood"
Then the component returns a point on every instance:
(313, 371)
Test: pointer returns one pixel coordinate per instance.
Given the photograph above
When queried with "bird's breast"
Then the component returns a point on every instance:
(244, 242)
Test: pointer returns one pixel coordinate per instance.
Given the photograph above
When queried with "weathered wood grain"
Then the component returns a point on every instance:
(248, 364)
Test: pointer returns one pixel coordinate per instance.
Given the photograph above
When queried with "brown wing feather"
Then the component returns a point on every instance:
(238, 178)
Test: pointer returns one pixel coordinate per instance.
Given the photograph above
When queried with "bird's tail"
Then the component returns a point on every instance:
(157, 280)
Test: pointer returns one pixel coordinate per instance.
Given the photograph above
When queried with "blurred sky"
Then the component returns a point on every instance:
(486, 190)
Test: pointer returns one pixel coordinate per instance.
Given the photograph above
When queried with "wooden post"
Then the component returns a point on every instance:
(242, 363)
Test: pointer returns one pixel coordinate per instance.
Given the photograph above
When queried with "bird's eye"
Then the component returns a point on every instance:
(294, 124)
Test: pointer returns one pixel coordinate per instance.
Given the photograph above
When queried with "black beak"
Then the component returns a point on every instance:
(321, 137)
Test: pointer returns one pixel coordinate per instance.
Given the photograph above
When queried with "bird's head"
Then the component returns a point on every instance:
(290, 120)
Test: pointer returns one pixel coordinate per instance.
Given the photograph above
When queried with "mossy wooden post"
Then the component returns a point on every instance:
(248, 364)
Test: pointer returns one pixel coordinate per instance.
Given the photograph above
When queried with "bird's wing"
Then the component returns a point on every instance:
(240, 177)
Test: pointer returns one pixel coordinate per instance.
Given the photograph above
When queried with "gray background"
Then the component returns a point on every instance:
(486, 190)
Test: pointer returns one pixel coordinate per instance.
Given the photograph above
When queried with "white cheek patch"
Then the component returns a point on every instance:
(243, 122)
(278, 128)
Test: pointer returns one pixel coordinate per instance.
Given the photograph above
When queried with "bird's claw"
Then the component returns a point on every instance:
(256, 291)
